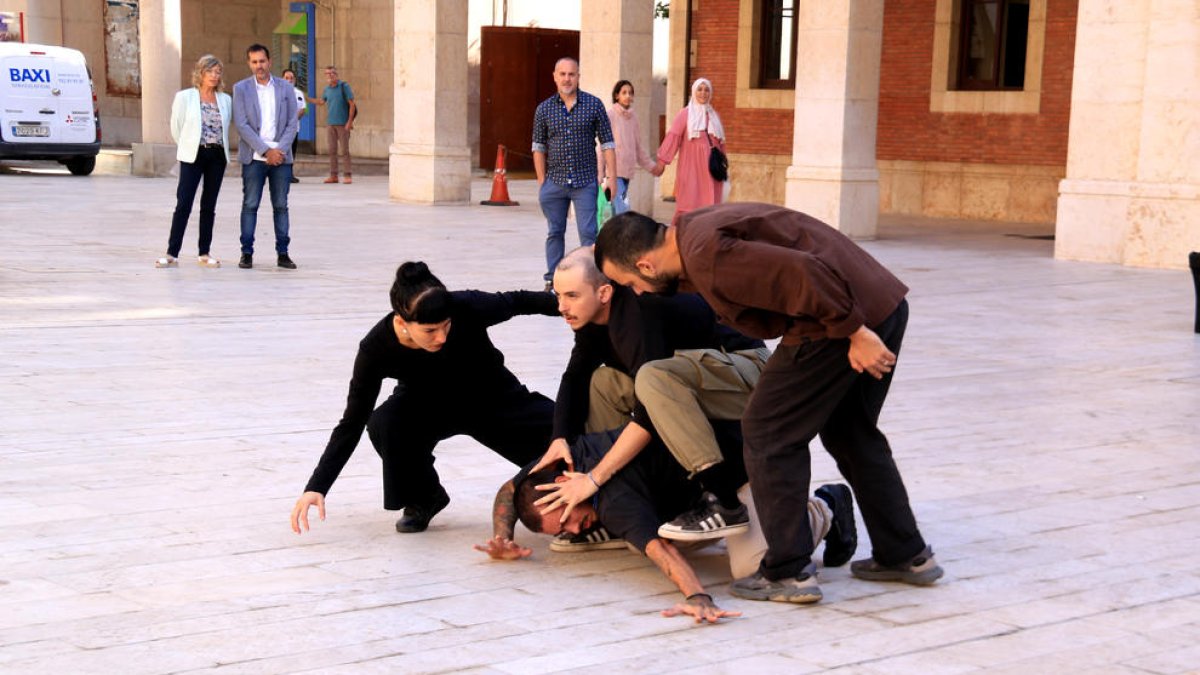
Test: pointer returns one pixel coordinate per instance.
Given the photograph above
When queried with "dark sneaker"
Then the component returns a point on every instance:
(295, 180)
(597, 539)
(842, 540)
(285, 262)
(246, 261)
(416, 518)
(710, 520)
(549, 286)
(922, 570)
(802, 589)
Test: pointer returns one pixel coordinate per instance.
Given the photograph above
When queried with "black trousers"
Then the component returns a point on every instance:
(209, 167)
(809, 390)
(405, 430)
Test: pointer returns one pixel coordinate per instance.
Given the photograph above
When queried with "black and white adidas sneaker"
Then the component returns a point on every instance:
(710, 520)
(596, 539)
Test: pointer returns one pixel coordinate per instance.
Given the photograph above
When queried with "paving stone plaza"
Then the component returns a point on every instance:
(159, 424)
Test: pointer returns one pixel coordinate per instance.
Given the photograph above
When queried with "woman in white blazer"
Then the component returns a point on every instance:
(200, 120)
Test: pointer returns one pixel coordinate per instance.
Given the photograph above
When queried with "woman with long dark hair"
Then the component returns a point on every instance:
(631, 152)
(450, 380)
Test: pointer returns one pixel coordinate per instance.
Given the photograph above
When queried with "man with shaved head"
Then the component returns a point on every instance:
(566, 128)
(772, 272)
(661, 369)
(633, 504)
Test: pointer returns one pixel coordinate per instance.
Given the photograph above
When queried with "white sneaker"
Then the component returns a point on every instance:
(595, 540)
(710, 520)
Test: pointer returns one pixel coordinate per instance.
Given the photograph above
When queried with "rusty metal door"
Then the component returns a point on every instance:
(515, 75)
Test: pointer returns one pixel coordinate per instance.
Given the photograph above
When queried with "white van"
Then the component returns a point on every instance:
(48, 106)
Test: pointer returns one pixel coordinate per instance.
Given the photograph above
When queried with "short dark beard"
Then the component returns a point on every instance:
(663, 285)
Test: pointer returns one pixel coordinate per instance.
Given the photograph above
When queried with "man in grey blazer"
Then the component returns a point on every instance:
(264, 113)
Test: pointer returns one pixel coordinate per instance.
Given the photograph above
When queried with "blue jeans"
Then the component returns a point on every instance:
(555, 199)
(621, 203)
(254, 175)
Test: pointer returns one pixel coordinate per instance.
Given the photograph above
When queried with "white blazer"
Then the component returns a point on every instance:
(186, 122)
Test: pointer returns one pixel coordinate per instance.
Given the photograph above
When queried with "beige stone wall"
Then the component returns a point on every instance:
(221, 27)
(972, 191)
(677, 84)
(617, 42)
(356, 36)
(79, 24)
(224, 28)
(43, 19)
(937, 189)
(757, 178)
(1132, 190)
(833, 174)
(428, 160)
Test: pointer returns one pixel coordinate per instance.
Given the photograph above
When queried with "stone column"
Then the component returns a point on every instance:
(679, 55)
(160, 41)
(43, 21)
(833, 176)
(616, 42)
(430, 161)
(1132, 190)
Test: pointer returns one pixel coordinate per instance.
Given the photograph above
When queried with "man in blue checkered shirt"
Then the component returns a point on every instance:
(566, 127)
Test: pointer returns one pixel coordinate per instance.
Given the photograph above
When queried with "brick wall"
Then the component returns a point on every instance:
(748, 131)
(909, 131)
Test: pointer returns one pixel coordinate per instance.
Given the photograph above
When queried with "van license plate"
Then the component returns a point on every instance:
(30, 130)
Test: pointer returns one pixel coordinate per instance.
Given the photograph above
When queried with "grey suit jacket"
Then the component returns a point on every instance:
(247, 118)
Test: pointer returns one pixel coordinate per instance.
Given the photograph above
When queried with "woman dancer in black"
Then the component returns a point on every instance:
(450, 380)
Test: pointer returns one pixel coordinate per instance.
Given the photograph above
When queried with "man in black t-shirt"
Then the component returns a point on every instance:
(649, 490)
(665, 367)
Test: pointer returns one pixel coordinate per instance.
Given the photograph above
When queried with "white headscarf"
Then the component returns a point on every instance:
(701, 115)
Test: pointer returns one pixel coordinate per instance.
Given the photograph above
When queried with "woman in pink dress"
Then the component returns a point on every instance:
(689, 136)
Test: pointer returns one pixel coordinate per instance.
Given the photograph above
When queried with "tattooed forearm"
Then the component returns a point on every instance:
(674, 565)
(504, 514)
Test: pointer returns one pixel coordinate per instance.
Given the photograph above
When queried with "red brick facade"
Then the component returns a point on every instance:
(907, 130)
(750, 131)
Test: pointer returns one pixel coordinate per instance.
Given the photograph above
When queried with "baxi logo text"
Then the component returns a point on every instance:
(29, 75)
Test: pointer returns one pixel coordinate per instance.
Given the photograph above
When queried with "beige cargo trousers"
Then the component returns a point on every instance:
(681, 394)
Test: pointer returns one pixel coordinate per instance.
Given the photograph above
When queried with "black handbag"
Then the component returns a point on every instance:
(718, 163)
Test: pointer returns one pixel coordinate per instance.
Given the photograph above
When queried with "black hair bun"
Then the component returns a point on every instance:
(413, 273)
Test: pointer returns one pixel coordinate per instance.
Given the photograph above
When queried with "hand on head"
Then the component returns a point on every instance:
(567, 492)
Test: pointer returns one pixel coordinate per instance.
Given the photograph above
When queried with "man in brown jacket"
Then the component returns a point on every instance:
(770, 272)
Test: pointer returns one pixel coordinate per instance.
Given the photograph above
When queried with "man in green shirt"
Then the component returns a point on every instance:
(338, 97)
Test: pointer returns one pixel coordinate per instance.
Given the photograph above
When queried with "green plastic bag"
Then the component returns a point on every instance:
(603, 209)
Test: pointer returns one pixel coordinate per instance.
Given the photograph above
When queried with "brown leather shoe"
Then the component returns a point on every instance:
(331, 179)
(347, 180)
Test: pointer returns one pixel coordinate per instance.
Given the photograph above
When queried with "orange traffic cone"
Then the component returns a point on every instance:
(499, 184)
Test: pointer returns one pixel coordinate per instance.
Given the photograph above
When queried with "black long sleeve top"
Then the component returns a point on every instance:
(640, 328)
(467, 371)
